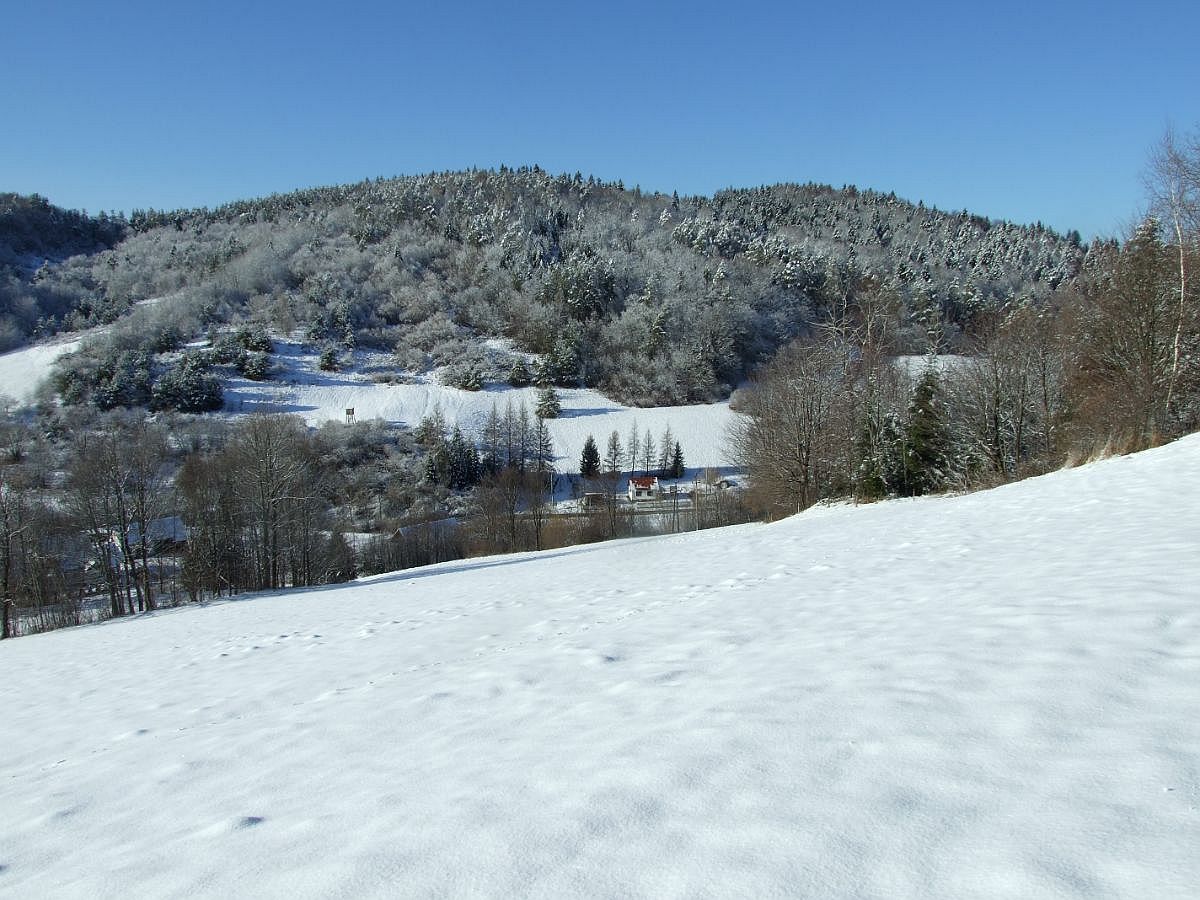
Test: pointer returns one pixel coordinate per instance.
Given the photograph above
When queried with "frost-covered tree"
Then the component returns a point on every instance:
(648, 454)
(188, 386)
(633, 448)
(614, 455)
(518, 374)
(926, 454)
(548, 404)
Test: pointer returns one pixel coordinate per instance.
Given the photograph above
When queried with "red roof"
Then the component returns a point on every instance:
(643, 482)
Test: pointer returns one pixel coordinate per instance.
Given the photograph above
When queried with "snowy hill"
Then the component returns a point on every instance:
(992, 695)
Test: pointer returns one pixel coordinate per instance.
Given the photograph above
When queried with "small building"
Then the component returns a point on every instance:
(166, 536)
(593, 499)
(643, 489)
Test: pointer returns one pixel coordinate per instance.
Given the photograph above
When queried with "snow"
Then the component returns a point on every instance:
(23, 371)
(318, 397)
(991, 695)
(301, 388)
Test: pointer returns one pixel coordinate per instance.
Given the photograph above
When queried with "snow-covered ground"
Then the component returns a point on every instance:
(992, 695)
(23, 371)
(301, 388)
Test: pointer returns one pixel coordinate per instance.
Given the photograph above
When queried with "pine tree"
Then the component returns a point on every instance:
(677, 466)
(543, 372)
(548, 404)
(256, 365)
(880, 452)
(589, 462)
(926, 438)
(187, 386)
(432, 429)
(463, 469)
(518, 375)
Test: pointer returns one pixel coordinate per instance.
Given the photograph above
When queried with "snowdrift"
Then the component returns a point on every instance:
(992, 695)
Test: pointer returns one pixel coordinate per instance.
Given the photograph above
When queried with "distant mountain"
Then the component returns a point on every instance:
(653, 298)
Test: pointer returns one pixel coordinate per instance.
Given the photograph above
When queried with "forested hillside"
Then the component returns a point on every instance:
(37, 292)
(655, 299)
(879, 349)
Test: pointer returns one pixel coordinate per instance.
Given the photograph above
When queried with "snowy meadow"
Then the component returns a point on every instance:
(990, 695)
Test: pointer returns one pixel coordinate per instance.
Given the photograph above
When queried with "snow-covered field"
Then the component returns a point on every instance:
(23, 371)
(302, 389)
(993, 695)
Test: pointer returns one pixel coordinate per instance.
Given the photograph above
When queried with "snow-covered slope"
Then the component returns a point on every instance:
(300, 388)
(23, 371)
(319, 397)
(993, 695)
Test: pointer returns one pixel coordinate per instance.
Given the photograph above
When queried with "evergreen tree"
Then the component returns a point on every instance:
(677, 467)
(548, 404)
(518, 375)
(341, 564)
(880, 451)
(255, 365)
(431, 430)
(523, 439)
(463, 462)
(188, 387)
(543, 372)
(926, 438)
(589, 462)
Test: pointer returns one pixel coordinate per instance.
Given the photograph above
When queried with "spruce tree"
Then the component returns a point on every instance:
(518, 375)
(677, 467)
(926, 438)
(880, 452)
(548, 404)
(589, 462)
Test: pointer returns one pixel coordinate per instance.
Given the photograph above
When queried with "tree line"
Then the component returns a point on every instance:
(1109, 364)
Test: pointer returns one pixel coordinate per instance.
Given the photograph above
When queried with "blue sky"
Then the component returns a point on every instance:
(1025, 111)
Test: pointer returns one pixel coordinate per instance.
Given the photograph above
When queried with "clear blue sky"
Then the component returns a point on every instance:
(1019, 110)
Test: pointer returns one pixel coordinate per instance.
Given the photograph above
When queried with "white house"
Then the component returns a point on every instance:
(643, 489)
